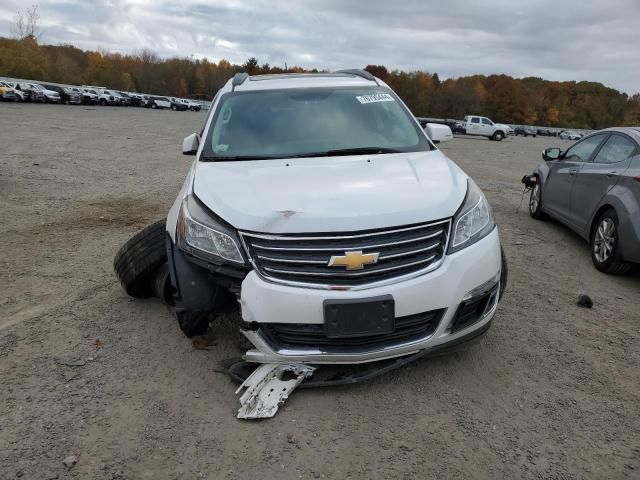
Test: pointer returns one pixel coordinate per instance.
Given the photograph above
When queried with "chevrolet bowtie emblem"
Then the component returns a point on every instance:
(353, 260)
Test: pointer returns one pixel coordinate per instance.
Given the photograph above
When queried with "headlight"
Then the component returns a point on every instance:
(473, 221)
(204, 236)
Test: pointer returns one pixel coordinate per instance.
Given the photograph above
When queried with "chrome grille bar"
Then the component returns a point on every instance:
(342, 249)
(349, 274)
(304, 259)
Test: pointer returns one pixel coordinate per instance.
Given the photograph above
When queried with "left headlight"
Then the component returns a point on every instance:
(203, 236)
(473, 221)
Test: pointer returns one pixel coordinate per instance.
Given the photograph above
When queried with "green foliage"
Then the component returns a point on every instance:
(529, 100)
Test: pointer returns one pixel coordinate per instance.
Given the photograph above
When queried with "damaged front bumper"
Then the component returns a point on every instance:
(452, 302)
(458, 298)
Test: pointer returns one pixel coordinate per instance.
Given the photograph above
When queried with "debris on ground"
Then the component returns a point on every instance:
(268, 387)
(76, 362)
(70, 461)
(584, 300)
(203, 342)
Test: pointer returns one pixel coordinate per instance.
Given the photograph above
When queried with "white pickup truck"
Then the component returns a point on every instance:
(484, 127)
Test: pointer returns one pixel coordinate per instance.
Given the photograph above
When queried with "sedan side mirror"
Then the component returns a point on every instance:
(190, 144)
(551, 154)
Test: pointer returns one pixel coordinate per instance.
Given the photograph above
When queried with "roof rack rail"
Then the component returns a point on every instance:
(358, 72)
(238, 79)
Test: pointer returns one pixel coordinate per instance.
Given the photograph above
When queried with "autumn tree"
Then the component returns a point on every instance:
(379, 71)
(27, 24)
(250, 66)
(530, 100)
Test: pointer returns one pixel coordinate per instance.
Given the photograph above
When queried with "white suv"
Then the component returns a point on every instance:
(319, 204)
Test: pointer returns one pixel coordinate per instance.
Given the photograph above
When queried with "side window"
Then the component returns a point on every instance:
(617, 149)
(475, 120)
(486, 121)
(582, 151)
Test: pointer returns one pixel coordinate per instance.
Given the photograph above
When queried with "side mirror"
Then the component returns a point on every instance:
(190, 144)
(438, 132)
(551, 154)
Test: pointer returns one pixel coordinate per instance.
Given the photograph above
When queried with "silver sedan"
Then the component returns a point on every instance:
(593, 187)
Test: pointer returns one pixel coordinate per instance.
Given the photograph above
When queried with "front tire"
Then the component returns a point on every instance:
(605, 245)
(103, 102)
(138, 259)
(498, 136)
(535, 202)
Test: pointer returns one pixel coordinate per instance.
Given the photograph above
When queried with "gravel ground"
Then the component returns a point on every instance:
(551, 392)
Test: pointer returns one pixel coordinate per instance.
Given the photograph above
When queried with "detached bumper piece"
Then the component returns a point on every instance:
(529, 181)
(268, 387)
(327, 375)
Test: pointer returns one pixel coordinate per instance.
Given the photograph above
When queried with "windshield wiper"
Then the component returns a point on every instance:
(361, 151)
(235, 157)
(328, 153)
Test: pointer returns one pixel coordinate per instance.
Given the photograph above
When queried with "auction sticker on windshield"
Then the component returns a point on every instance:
(375, 98)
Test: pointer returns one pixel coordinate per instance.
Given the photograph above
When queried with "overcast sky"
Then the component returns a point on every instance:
(553, 39)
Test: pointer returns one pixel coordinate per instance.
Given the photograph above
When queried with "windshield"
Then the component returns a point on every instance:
(311, 122)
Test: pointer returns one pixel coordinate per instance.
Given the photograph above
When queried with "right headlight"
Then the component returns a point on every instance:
(204, 236)
(473, 221)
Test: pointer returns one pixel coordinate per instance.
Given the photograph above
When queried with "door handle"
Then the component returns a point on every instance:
(573, 171)
(613, 173)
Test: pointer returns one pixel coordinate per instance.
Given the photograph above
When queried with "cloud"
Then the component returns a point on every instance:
(570, 40)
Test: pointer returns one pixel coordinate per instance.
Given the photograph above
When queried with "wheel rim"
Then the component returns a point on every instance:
(605, 240)
(535, 199)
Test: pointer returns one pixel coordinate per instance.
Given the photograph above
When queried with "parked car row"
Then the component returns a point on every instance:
(179, 104)
(525, 131)
(530, 131)
(22, 91)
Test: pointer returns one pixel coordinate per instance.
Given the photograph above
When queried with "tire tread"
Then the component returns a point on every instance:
(139, 257)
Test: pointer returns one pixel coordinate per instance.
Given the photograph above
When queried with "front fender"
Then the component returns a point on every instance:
(542, 172)
(174, 211)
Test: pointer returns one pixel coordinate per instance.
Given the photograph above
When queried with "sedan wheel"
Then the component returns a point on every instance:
(535, 202)
(605, 240)
(605, 248)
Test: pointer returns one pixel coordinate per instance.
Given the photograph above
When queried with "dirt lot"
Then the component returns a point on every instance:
(553, 391)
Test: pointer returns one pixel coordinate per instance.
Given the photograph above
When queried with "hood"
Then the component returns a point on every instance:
(51, 93)
(502, 125)
(331, 194)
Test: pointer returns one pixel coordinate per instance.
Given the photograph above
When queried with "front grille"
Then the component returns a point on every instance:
(304, 258)
(296, 335)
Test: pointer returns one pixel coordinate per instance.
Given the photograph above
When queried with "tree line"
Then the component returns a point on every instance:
(530, 100)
